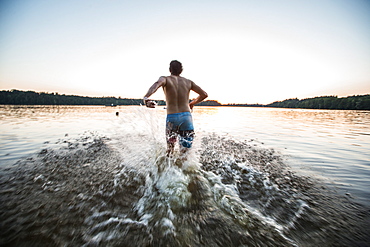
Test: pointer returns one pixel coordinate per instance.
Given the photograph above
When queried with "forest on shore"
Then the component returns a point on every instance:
(358, 102)
(17, 97)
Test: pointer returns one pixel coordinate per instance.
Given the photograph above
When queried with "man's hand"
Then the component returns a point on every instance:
(149, 103)
(202, 95)
(160, 83)
(191, 105)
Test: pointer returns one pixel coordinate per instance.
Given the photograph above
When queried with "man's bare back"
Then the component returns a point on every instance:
(177, 90)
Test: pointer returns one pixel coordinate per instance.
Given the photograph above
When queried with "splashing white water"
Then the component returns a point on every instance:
(126, 191)
(174, 185)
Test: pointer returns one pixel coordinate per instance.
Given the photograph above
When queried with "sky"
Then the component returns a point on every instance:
(237, 51)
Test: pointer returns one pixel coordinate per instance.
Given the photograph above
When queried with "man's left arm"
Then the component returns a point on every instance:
(160, 83)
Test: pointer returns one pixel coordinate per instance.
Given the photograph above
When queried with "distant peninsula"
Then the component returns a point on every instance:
(17, 97)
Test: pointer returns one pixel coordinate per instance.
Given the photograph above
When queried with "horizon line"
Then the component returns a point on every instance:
(222, 104)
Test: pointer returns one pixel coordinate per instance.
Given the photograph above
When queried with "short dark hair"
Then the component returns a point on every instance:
(175, 67)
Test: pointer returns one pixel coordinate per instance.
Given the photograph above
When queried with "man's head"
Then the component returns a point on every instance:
(175, 67)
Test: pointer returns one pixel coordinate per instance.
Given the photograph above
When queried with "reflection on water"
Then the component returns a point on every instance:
(24, 129)
(123, 190)
(90, 191)
(330, 144)
(333, 145)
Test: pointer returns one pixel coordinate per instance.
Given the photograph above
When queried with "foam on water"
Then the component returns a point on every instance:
(125, 191)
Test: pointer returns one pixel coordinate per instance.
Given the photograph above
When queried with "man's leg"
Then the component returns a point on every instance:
(171, 137)
(170, 148)
(186, 141)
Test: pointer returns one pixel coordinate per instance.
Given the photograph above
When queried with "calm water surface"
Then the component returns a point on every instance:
(331, 145)
(99, 176)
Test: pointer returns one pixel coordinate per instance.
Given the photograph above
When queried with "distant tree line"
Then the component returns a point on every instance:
(359, 102)
(209, 103)
(246, 105)
(16, 97)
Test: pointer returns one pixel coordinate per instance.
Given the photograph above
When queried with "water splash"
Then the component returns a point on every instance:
(124, 190)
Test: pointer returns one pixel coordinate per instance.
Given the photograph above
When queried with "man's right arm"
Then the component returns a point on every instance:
(202, 95)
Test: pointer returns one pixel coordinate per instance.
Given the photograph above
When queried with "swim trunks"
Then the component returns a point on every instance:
(180, 125)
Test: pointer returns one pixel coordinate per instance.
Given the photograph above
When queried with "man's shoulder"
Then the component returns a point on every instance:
(162, 80)
(185, 79)
(172, 79)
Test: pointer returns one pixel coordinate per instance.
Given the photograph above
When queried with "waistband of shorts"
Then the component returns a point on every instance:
(186, 113)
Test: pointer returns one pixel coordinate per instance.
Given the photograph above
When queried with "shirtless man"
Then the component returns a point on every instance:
(179, 122)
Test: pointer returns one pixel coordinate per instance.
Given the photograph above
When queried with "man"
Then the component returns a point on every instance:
(179, 122)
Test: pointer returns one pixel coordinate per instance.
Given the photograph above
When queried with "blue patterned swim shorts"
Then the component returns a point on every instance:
(180, 125)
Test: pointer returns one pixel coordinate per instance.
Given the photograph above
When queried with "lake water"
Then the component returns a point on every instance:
(273, 177)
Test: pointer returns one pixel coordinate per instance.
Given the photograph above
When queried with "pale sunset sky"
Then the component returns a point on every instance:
(237, 51)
